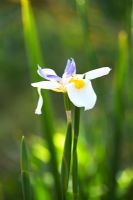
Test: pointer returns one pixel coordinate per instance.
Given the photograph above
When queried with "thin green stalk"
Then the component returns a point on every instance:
(75, 156)
(66, 158)
(131, 60)
(48, 131)
(31, 38)
(83, 10)
(34, 58)
(26, 187)
(82, 7)
(132, 28)
(118, 114)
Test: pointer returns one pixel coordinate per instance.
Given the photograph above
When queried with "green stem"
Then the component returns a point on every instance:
(75, 156)
(66, 158)
(67, 103)
(118, 113)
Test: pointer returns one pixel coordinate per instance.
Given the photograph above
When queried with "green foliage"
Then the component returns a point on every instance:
(26, 186)
(34, 54)
(31, 38)
(75, 155)
(118, 115)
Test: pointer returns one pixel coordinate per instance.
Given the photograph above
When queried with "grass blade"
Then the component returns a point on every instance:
(118, 115)
(26, 187)
(31, 38)
(75, 156)
(35, 57)
(82, 8)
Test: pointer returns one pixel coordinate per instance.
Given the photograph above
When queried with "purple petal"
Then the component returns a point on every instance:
(70, 69)
(48, 74)
(54, 77)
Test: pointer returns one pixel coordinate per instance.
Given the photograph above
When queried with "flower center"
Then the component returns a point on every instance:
(79, 83)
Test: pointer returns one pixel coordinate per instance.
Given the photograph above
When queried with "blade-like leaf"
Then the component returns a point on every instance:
(74, 155)
(26, 187)
(35, 57)
(31, 38)
(118, 113)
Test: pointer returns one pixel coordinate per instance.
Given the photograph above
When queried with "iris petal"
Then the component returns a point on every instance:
(70, 69)
(84, 97)
(48, 74)
(46, 85)
(97, 73)
(38, 110)
(43, 85)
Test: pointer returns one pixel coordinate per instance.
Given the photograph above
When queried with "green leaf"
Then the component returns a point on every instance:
(31, 38)
(75, 156)
(118, 111)
(120, 74)
(35, 57)
(26, 187)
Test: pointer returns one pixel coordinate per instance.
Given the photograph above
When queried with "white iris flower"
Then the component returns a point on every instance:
(77, 86)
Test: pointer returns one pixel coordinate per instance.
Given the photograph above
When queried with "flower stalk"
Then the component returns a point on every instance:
(75, 156)
(66, 158)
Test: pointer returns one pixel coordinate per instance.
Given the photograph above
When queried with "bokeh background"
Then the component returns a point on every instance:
(96, 34)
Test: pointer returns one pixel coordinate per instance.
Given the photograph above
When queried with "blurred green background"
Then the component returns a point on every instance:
(96, 34)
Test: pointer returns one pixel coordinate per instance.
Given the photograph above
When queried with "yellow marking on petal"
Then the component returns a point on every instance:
(79, 83)
(60, 89)
(73, 78)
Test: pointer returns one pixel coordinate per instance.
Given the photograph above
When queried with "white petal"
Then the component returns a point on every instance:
(40, 103)
(80, 76)
(84, 97)
(97, 73)
(46, 85)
